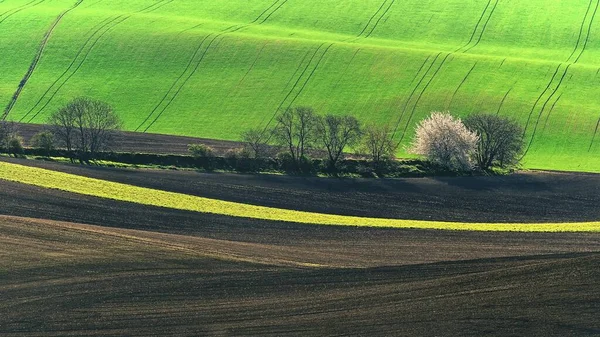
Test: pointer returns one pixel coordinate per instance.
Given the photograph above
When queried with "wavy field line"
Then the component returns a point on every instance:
(293, 87)
(227, 30)
(95, 30)
(540, 98)
(146, 196)
(371, 19)
(561, 81)
(36, 59)
(264, 12)
(178, 91)
(461, 84)
(273, 12)
(587, 12)
(550, 112)
(381, 17)
(19, 9)
(420, 96)
(476, 27)
(85, 56)
(79, 65)
(484, 27)
(310, 75)
(188, 66)
(594, 136)
(504, 98)
(415, 90)
(587, 38)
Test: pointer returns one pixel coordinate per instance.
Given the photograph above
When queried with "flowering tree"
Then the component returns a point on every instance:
(445, 140)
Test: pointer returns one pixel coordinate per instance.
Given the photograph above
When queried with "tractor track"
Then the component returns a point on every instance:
(36, 59)
(558, 86)
(414, 90)
(550, 112)
(265, 11)
(117, 20)
(19, 9)
(227, 30)
(293, 86)
(381, 17)
(273, 12)
(476, 27)
(594, 136)
(95, 31)
(176, 81)
(581, 30)
(587, 38)
(337, 83)
(504, 99)
(421, 95)
(160, 6)
(484, 27)
(461, 84)
(540, 98)
(176, 94)
(371, 19)
(310, 75)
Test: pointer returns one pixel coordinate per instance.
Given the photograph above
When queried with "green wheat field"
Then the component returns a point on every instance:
(214, 68)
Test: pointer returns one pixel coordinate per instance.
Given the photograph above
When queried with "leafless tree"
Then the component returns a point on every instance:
(500, 140)
(295, 131)
(446, 141)
(85, 125)
(377, 144)
(255, 142)
(8, 131)
(335, 133)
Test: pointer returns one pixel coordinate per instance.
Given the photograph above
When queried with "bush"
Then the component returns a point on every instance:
(200, 151)
(15, 145)
(446, 141)
(44, 141)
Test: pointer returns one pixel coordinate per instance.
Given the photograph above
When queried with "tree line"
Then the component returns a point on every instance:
(86, 127)
(481, 142)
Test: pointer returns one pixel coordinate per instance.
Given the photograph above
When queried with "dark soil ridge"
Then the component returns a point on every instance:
(137, 142)
(328, 245)
(91, 284)
(528, 197)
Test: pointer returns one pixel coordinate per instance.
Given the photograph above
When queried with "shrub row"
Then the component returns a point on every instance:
(364, 168)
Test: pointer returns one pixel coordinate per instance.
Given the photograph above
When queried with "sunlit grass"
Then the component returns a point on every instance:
(245, 75)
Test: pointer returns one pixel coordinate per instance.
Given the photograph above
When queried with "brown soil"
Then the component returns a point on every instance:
(68, 279)
(524, 197)
(117, 268)
(145, 142)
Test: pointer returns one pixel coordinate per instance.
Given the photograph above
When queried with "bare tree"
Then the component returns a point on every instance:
(445, 140)
(295, 131)
(85, 125)
(62, 125)
(8, 131)
(377, 144)
(335, 133)
(255, 142)
(500, 140)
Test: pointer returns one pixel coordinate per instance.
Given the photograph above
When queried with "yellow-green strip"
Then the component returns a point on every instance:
(146, 196)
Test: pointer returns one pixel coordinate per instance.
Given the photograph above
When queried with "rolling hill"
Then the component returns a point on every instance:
(214, 68)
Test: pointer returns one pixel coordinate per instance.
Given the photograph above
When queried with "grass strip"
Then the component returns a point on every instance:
(146, 196)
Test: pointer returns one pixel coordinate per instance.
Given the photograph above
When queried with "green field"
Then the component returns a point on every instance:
(212, 68)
